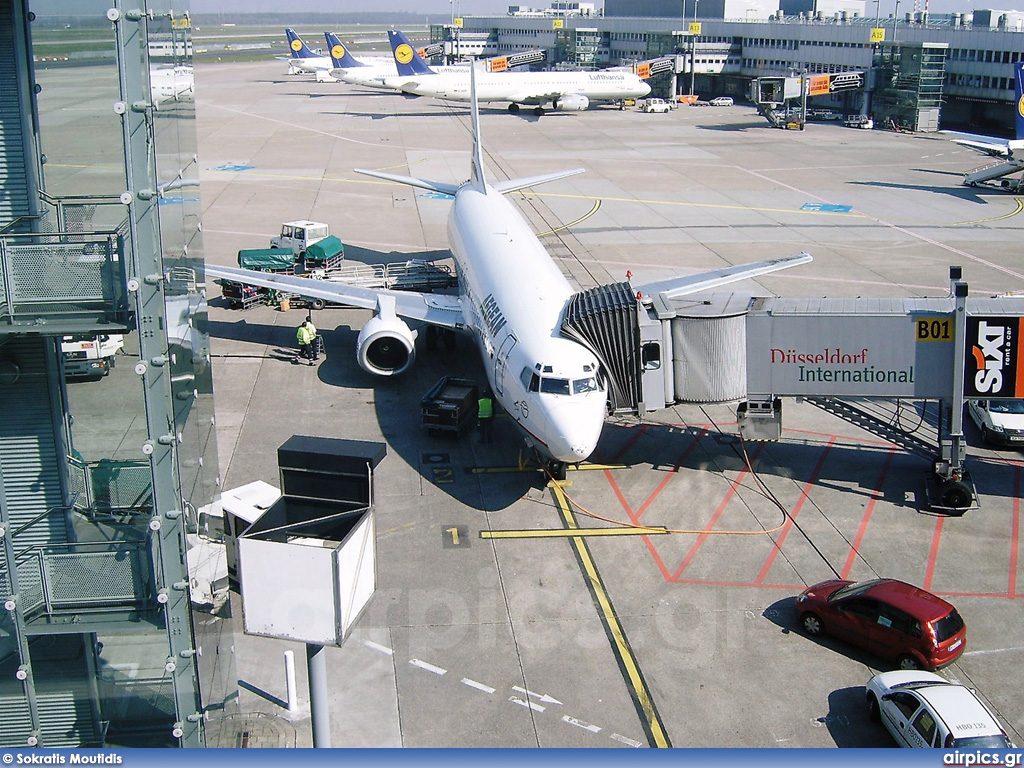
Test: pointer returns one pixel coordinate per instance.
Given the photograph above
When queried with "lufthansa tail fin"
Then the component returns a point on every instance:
(407, 61)
(1018, 79)
(340, 57)
(297, 48)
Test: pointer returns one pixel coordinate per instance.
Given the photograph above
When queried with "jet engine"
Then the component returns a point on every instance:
(574, 102)
(386, 345)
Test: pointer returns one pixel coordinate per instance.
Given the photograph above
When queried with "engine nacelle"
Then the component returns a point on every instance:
(574, 102)
(386, 346)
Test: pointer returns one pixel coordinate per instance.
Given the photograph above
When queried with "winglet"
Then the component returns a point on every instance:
(407, 61)
(340, 57)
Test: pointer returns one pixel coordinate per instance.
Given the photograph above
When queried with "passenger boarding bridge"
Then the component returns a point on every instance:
(837, 353)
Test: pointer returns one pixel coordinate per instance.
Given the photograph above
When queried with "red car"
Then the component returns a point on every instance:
(890, 618)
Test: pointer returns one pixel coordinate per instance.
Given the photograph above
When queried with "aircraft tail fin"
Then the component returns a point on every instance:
(340, 57)
(407, 61)
(476, 175)
(1018, 79)
(298, 49)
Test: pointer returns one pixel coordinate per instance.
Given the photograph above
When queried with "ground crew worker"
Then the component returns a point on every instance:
(306, 335)
(485, 416)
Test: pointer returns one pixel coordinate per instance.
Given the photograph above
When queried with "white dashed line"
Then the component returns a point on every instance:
(478, 686)
(581, 724)
(626, 740)
(530, 704)
(428, 667)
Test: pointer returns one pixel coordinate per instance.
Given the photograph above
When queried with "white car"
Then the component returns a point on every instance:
(656, 105)
(922, 709)
(721, 101)
(1001, 421)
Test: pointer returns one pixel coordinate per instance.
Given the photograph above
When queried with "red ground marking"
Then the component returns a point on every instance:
(635, 516)
(933, 554)
(788, 525)
(629, 443)
(855, 547)
(714, 518)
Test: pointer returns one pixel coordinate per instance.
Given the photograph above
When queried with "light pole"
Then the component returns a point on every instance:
(693, 47)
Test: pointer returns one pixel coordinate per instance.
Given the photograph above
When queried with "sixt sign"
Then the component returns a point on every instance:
(994, 366)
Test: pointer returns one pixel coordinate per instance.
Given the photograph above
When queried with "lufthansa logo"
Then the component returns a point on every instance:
(338, 51)
(296, 45)
(1020, 106)
(404, 53)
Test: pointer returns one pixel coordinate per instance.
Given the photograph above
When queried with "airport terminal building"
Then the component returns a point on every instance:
(912, 66)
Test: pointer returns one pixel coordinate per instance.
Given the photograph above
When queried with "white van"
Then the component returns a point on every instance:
(859, 121)
(1001, 421)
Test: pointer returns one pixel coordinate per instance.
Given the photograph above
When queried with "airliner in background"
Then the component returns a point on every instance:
(376, 73)
(991, 145)
(304, 58)
(565, 91)
(512, 299)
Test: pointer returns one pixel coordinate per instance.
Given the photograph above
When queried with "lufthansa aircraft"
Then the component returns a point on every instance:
(511, 299)
(990, 145)
(372, 74)
(304, 59)
(565, 91)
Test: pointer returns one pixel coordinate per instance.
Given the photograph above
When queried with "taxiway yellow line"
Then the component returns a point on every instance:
(563, 533)
(1020, 207)
(634, 677)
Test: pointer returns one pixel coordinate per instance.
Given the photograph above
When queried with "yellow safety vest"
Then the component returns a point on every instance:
(485, 408)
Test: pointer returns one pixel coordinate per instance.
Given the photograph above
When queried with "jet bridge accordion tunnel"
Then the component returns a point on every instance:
(731, 346)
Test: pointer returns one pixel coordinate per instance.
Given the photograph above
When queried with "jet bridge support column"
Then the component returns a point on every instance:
(951, 488)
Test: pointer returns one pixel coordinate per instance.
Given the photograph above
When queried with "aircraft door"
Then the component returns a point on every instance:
(499, 363)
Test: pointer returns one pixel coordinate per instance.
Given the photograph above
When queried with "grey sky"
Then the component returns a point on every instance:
(498, 7)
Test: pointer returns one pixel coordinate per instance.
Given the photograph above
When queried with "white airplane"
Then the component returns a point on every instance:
(171, 84)
(566, 91)
(512, 298)
(991, 145)
(305, 59)
(376, 73)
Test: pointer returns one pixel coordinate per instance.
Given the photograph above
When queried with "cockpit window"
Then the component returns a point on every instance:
(554, 386)
(580, 386)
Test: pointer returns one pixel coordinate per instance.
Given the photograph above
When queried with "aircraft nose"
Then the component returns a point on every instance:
(577, 428)
(647, 89)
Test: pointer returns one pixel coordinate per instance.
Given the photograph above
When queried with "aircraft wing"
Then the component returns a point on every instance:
(436, 309)
(986, 145)
(706, 281)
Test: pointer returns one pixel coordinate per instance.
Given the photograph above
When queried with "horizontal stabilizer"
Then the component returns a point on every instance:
(706, 281)
(514, 185)
(433, 186)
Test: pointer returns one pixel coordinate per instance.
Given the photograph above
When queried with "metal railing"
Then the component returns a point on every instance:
(111, 486)
(61, 275)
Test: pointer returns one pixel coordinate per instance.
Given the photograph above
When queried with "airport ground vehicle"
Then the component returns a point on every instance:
(450, 406)
(890, 618)
(1001, 421)
(922, 709)
(824, 114)
(656, 105)
(721, 101)
(90, 356)
(311, 242)
(858, 121)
